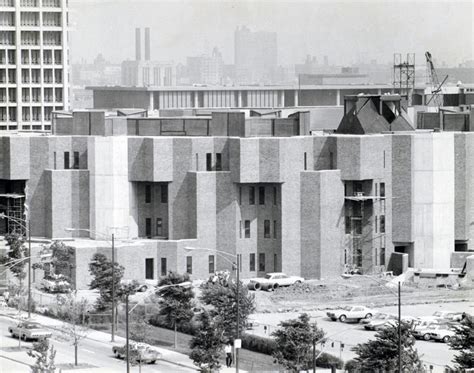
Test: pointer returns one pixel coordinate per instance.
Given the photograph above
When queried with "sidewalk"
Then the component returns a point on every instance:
(169, 356)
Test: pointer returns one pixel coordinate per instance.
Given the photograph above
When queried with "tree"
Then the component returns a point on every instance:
(222, 297)
(44, 355)
(463, 342)
(101, 270)
(294, 343)
(207, 344)
(14, 259)
(381, 353)
(176, 302)
(61, 261)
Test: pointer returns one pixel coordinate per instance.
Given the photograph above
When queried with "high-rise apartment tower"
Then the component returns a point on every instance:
(33, 63)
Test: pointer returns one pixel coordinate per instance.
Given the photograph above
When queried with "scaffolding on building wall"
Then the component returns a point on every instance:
(13, 206)
(404, 75)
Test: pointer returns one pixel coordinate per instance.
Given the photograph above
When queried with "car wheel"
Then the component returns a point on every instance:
(275, 286)
(446, 339)
(342, 318)
(298, 282)
(143, 288)
(24, 337)
(257, 286)
(152, 361)
(426, 337)
(368, 316)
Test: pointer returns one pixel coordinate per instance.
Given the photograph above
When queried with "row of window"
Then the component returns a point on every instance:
(218, 166)
(266, 229)
(67, 161)
(261, 195)
(31, 56)
(163, 193)
(158, 227)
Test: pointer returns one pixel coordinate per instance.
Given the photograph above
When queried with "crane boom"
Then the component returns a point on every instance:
(434, 82)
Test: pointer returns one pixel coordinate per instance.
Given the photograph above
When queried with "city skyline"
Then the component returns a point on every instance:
(338, 30)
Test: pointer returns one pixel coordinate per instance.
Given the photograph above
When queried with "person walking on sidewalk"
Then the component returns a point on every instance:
(228, 354)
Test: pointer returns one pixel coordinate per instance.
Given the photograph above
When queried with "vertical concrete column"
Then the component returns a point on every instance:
(338, 97)
(296, 97)
(196, 99)
(151, 104)
(282, 98)
(239, 99)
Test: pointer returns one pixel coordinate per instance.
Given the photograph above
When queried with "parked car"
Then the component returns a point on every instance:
(141, 352)
(273, 280)
(379, 321)
(442, 333)
(28, 330)
(424, 330)
(448, 315)
(351, 313)
(56, 284)
(138, 286)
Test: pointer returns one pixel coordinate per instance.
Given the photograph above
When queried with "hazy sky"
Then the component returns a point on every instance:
(346, 31)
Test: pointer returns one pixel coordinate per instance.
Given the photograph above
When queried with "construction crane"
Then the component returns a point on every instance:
(434, 82)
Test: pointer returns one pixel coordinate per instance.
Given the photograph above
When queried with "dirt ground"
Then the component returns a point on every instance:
(316, 295)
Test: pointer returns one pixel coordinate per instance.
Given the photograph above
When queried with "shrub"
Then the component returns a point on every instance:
(326, 360)
(352, 366)
(189, 328)
(259, 344)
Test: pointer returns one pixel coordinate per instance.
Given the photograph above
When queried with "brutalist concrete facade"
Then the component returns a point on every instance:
(304, 205)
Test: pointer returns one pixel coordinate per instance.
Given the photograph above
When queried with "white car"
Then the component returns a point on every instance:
(424, 330)
(273, 280)
(351, 313)
(377, 322)
(448, 315)
(442, 333)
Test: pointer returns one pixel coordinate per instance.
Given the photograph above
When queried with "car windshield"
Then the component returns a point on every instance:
(268, 277)
(432, 326)
(31, 326)
(347, 308)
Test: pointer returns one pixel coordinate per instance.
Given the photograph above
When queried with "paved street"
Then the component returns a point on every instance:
(434, 353)
(94, 354)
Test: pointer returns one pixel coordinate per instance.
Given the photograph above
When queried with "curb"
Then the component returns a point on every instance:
(180, 364)
(16, 361)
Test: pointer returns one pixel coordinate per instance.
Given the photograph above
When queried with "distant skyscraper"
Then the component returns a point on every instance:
(33, 63)
(255, 55)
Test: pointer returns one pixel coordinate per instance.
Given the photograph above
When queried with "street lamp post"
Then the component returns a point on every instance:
(26, 226)
(112, 339)
(236, 265)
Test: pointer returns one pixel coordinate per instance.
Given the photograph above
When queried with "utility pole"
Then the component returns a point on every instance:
(113, 288)
(314, 355)
(237, 293)
(29, 268)
(399, 330)
(126, 333)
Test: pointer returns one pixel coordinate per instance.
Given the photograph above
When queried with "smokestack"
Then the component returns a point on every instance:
(147, 44)
(138, 45)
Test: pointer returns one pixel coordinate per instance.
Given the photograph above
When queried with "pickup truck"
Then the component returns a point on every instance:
(56, 284)
(28, 330)
(139, 352)
(273, 280)
(356, 313)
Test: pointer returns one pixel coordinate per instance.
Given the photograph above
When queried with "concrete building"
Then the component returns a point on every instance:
(261, 188)
(33, 63)
(205, 69)
(255, 56)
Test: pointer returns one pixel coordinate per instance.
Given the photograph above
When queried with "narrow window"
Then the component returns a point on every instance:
(348, 224)
(275, 262)
(382, 223)
(189, 265)
(164, 193)
(240, 196)
(212, 268)
(266, 229)
(251, 195)
(375, 222)
(376, 257)
(382, 189)
(164, 267)
(149, 268)
(252, 263)
(261, 195)
(147, 193)
(208, 161)
(197, 162)
(66, 160)
(75, 164)
(274, 229)
(159, 227)
(376, 189)
(247, 228)
(261, 262)
(240, 229)
(148, 227)
(331, 160)
(357, 226)
(275, 200)
(218, 161)
(384, 159)
(305, 162)
(54, 160)
(382, 256)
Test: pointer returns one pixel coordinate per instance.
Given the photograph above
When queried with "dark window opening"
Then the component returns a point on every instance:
(252, 263)
(240, 229)
(275, 262)
(261, 195)
(75, 164)
(240, 195)
(66, 160)
(218, 161)
(159, 227)
(149, 268)
(208, 161)
(382, 223)
(148, 227)
(305, 161)
(251, 195)
(164, 193)
(212, 268)
(266, 229)
(356, 226)
(382, 189)
(382, 256)
(331, 160)
(274, 229)
(164, 267)
(357, 188)
(247, 228)
(147, 193)
(261, 262)
(356, 208)
(54, 160)
(189, 265)
(348, 224)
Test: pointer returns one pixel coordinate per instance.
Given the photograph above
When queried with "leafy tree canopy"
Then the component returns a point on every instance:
(44, 356)
(15, 254)
(464, 343)
(175, 302)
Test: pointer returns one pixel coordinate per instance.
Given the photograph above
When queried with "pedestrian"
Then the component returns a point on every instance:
(6, 296)
(228, 354)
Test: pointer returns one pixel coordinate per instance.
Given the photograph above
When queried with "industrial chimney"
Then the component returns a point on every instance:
(138, 46)
(147, 44)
